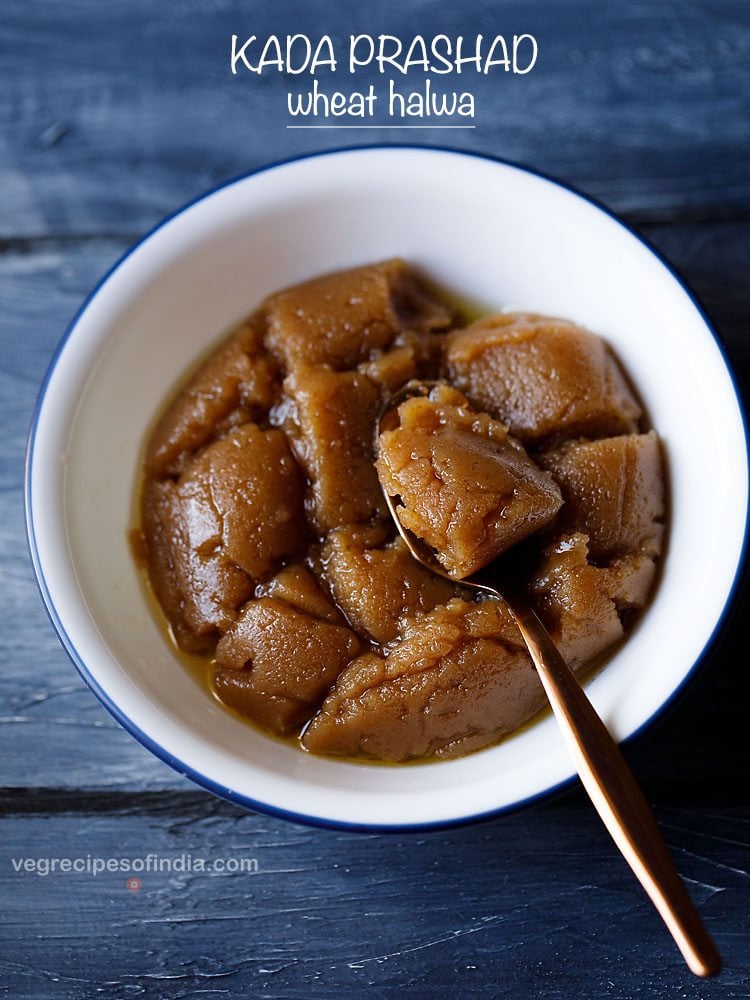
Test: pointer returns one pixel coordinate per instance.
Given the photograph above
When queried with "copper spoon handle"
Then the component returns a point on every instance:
(616, 795)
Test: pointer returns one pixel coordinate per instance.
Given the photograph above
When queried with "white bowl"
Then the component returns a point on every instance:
(493, 231)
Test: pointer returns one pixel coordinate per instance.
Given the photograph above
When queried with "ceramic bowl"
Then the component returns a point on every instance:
(496, 232)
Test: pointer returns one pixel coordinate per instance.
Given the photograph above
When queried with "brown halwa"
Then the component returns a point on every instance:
(268, 544)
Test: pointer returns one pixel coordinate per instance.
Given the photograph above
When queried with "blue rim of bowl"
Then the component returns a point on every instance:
(243, 800)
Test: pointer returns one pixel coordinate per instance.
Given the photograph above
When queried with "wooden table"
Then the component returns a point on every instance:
(113, 114)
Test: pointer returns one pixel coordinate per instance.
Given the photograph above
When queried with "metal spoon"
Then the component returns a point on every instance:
(605, 775)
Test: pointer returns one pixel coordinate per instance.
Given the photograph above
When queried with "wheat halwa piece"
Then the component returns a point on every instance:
(467, 488)
(252, 483)
(231, 515)
(613, 490)
(339, 319)
(377, 584)
(460, 672)
(581, 604)
(277, 662)
(330, 426)
(198, 588)
(541, 377)
(391, 369)
(238, 381)
(298, 587)
(276, 713)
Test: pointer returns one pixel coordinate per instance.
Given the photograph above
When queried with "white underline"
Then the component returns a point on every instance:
(384, 125)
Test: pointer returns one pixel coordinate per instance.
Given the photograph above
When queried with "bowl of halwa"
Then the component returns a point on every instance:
(206, 521)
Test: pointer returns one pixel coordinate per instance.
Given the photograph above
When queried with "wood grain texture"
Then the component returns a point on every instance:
(115, 113)
(533, 905)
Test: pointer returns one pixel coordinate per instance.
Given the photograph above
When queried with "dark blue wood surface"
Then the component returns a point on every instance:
(112, 114)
